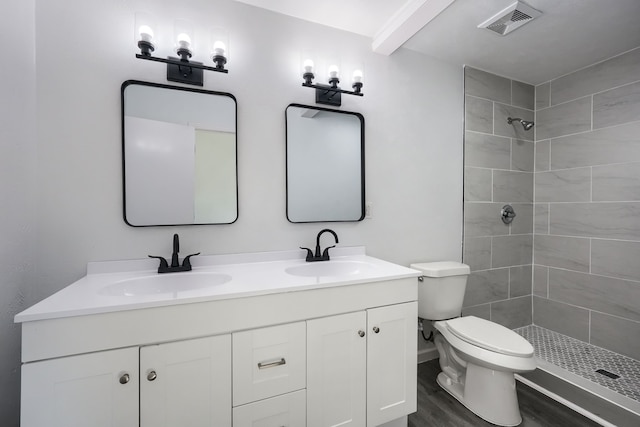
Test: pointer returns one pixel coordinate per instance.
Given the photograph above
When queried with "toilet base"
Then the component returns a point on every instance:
(489, 394)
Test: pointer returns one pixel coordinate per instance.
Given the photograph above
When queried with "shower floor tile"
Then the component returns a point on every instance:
(584, 360)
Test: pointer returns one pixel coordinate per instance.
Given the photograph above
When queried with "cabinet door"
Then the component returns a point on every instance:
(97, 390)
(336, 370)
(186, 383)
(391, 362)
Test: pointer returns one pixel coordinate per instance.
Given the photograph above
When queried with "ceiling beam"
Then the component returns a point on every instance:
(407, 21)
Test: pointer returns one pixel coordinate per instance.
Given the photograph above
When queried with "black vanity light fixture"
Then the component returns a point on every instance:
(330, 94)
(181, 69)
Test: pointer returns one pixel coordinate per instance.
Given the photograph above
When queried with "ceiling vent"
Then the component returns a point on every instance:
(511, 18)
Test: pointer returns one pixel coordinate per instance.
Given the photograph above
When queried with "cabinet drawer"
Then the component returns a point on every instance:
(268, 362)
(288, 410)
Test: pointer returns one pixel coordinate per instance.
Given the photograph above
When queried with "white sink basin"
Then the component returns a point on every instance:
(330, 269)
(168, 283)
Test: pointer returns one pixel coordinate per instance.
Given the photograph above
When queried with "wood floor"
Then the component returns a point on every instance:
(437, 408)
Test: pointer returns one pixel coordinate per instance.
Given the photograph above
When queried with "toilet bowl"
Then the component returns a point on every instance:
(478, 357)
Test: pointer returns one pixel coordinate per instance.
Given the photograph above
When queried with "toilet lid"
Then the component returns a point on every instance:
(490, 336)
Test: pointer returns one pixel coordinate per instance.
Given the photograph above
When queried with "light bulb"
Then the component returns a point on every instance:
(146, 33)
(184, 41)
(308, 66)
(219, 48)
(357, 76)
(333, 71)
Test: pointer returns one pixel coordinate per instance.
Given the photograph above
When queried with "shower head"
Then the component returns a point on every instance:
(527, 125)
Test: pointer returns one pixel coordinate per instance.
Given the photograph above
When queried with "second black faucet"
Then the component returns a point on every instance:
(175, 266)
(311, 257)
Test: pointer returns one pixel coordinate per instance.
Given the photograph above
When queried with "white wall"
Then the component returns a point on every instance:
(85, 50)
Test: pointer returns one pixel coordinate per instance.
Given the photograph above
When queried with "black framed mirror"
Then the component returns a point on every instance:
(180, 163)
(325, 164)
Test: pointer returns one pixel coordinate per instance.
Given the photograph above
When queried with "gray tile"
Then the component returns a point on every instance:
(483, 219)
(543, 155)
(522, 155)
(615, 220)
(541, 281)
(522, 95)
(543, 96)
(487, 286)
(483, 311)
(512, 186)
(507, 251)
(486, 85)
(477, 184)
(477, 253)
(616, 182)
(616, 106)
(616, 258)
(604, 294)
(487, 151)
(541, 218)
(568, 185)
(519, 281)
(512, 313)
(563, 252)
(478, 115)
(614, 72)
(514, 130)
(564, 119)
(563, 318)
(616, 334)
(619, 144)
(523, 222)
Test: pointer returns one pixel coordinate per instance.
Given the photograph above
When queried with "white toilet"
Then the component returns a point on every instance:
(478, 357)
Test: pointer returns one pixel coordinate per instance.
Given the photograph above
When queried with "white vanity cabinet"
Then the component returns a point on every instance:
(361, 367)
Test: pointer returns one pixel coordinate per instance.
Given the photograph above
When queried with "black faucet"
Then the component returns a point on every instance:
(175, 261)
(311, 257)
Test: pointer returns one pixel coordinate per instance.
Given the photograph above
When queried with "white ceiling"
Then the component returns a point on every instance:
(569, 35)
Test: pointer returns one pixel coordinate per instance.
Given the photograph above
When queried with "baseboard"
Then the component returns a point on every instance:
(427, 354)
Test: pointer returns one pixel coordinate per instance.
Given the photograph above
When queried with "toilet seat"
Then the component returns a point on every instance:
(489, 336)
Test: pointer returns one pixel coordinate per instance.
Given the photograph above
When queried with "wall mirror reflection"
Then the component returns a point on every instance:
(325, 164)
(179, 155)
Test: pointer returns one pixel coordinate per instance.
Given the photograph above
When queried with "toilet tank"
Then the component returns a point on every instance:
(441, 291)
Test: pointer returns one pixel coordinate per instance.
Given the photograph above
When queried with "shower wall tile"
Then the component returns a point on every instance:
(619, 144)
(563, 318)
(514, 130)
(487, 151)
(477, 253)
(604, 294)
(616, 334)
(616, 258)
(487, 286)
(543, 96)
(522, 95)
(614, 220)
(541, 281)
(486, 85)
(614, 72)
(562, 252)
(483, 219)
(568, 185)
(509, 251)
(616, 182)
(522, 155)
(477, 184)
(564, 119)
(478, 115)
(543, 158)
(523, 222)
(616, 106)
(520, 281)
(483, 311)
(511, 186)
(541, 219)
(512, 313)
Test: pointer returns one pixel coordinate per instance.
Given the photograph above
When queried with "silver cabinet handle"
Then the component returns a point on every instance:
(376, 329)
(152, 376)
(124, 378)
(361, 333)
(265, 365)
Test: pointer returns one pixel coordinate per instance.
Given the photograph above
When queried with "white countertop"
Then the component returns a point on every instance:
(250, 275)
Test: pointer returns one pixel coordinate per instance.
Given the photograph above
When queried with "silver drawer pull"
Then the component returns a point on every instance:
(262, 365)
